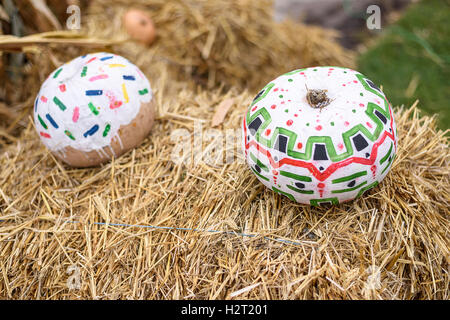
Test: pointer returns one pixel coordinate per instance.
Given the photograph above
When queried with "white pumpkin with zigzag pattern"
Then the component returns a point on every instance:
(320, 135)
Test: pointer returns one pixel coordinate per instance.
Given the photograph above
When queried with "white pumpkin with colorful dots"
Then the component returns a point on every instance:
(320, 135)
(93, 108)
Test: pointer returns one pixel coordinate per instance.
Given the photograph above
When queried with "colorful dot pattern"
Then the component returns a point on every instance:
(83, 103)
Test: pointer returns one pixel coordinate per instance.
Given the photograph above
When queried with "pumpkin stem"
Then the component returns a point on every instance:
(317, 98)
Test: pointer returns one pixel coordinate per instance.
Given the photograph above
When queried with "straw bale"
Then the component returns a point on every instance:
(144, 227)
(221, 42)
(212, 43)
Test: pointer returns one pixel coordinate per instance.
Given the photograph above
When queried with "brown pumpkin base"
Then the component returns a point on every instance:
(129, 137)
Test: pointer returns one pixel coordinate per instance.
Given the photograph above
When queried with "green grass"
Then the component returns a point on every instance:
(411, 59)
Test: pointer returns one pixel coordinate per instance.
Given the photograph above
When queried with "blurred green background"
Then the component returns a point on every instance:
(409, 55)
(411, 59)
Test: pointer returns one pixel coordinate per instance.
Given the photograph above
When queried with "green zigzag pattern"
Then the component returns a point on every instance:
(268, 143)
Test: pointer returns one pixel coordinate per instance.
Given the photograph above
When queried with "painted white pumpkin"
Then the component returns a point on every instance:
(320, 151)
(92, 108)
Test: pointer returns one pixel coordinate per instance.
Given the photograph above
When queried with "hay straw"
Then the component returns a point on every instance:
(212, 43)
(143, 227)
(221, 42)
